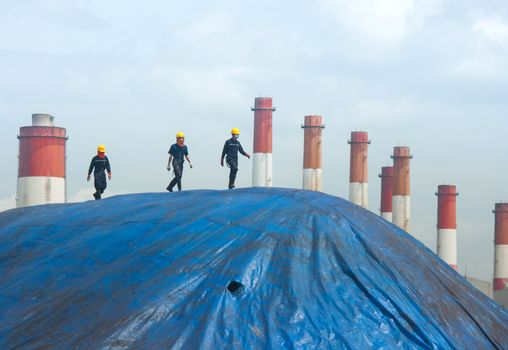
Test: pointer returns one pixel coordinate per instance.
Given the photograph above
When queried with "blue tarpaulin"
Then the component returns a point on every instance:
(242, 269)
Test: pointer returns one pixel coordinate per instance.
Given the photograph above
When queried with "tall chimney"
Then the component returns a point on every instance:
(358, 170)
(41, 172)
(386, 192)
(262, 157)
(501, 253)
(312, 152)
(447, 224)
(401, 199)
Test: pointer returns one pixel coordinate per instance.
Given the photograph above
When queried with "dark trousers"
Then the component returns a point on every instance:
(100, 184)
(177, 180)
(233, 170)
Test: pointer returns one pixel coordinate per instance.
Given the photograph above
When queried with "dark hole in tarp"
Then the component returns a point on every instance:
(235, 288)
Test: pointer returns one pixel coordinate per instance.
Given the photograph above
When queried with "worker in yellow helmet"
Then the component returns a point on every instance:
(177, 153)
(230, 151)
(99, 165)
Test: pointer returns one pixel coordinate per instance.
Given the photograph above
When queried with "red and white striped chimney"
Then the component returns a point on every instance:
(358, 169)
(41, 173)
(401, 197)
(447, 224)
(262, 157)
(312, 152)
(386, 192)
(501, 249)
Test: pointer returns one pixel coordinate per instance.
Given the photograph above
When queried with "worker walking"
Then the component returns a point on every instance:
(177, 153)
(230, 151)
(100, 165)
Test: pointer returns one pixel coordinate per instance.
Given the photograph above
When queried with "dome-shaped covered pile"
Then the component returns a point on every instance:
(241, 269)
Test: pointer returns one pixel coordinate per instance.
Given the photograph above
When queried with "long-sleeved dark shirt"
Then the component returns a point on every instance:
(178, 152)
(231, 149)
(98, 165)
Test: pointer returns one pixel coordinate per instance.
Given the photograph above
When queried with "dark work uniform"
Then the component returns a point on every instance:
(99, 166)
(178, 152)
(230, 150)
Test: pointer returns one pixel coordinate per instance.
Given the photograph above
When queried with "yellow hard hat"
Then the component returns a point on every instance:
(235, 131)
(180, 135)
(101, 149)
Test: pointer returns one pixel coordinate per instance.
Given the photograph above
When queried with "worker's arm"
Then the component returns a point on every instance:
(190, 163)
(243, 152)
(108, 168)
(169, 161)
(90, 169)
(223, 153)
(170, 152)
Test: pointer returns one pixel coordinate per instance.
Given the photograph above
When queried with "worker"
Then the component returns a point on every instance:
(99, 165)
(230, 151)
(177, 153)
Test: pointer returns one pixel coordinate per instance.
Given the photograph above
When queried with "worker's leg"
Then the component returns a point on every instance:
(178, 174)
(100, 185)
(171, 185)
(177, 170)
(233, 169)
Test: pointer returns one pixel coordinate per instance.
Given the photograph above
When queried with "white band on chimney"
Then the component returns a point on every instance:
(387, 216)
(312, 179)
(447, 245)
(359, 193)
(501, 263)
(36, 190)
(262, 170)
(401, 211)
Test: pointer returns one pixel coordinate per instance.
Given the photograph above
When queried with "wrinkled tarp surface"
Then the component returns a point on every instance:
(306, 271)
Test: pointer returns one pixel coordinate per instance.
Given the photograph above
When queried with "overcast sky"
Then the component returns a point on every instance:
(430, 74)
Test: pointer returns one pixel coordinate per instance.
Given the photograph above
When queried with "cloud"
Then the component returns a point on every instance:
(486, 55)
(207, 27)
(54, 22)
(491, 30)
(384, 22)
(217, 87)
(483, 67)
(383, 110)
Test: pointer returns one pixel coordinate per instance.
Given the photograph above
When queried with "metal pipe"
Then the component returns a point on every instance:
(401, 198)
(386, 192)
(312, 169)
(262, 157)
(41, 171)
(501, 249)
(358, 169)
(447, 224)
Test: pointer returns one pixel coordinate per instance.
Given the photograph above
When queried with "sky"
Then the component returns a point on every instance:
(429, 74)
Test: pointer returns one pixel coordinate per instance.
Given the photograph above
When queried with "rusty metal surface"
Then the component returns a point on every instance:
(401, 171)
(500, 248)
(312, 147)
(359, 171)
(447, 207)
(386, 189)
(501, 223)
(42, 151)
(263, 110)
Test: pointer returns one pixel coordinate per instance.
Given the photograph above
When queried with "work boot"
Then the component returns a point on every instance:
(169, 189)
